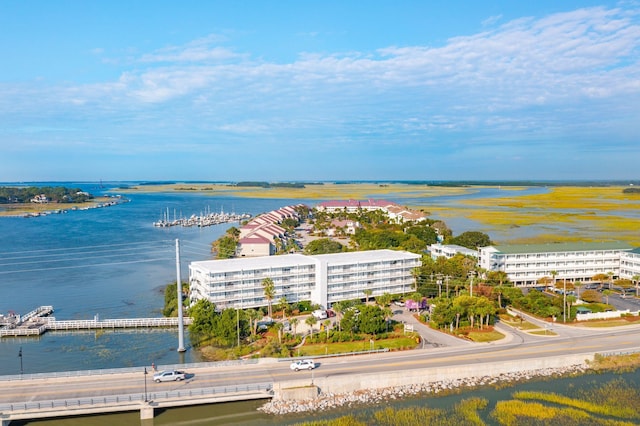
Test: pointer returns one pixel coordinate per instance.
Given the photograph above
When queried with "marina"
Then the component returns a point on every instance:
(202, 220)
(39, 321)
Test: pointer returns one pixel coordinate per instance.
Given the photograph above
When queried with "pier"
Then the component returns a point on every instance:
(39, 321)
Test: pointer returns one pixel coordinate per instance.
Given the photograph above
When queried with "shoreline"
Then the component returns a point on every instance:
(331, 401)
(37, 210)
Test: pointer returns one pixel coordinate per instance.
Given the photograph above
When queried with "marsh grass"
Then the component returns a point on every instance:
(563, 214)
(599, 407)
(464, 413)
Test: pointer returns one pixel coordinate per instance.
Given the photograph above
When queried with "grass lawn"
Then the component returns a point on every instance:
(480, 336)
(612, 322)
(524, 325)
(543, 333)
(399, 343)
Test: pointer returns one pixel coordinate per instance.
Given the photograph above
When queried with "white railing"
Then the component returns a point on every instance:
(117, 400)
(53, 325)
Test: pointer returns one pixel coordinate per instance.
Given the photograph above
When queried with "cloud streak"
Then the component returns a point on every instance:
(560, 78)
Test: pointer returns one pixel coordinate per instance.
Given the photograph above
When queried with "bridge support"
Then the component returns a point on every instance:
(146, 411)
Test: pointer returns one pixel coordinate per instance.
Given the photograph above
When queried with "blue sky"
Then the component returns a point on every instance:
(319, 90)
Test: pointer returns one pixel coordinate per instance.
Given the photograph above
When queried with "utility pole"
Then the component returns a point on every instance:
(180, 315)
(564, 300)
(20, 356)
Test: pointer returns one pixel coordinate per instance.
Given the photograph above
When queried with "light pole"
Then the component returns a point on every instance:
(145, 385)
(471, 275)
(564, 300)
(20, 356)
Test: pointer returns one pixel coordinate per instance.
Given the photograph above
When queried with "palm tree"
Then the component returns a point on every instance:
(338, 308)
(635, 279)
(367, 292)
(269, 292)
(310, 321)
(284, 305)
(254, 316)
(570, 301)
(610, 276)
(294, 323)
(327, 323)
(606, 294)
(415, 273)
(553, 277)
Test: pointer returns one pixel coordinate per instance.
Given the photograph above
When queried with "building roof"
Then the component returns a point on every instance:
(262, 262)
(254, 239)
(365, 256)
(561, 247)
(250, 263)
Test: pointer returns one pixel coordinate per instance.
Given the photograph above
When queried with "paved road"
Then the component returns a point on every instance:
(516, 346)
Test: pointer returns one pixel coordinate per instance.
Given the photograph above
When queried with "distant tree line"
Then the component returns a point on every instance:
(55, 194)
(271, 185)
(631, 191)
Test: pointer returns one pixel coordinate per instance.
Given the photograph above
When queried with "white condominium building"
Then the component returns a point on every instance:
(630, 264)
(322, 279)
(526, 264)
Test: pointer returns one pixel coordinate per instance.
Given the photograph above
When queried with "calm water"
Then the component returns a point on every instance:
(111, 262)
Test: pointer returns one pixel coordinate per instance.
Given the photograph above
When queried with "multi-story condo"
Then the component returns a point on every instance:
(450, 250)
(322, 279)
(526, 264)
(630, 264)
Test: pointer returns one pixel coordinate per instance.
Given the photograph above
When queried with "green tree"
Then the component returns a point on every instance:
(294, 323)
(367, 292)
(472, 240)
(171, 299)
(311, 321)
(371, 320)
(323, 246)
(203, 316)
(254, 316)
(350, 321)
(269, 289)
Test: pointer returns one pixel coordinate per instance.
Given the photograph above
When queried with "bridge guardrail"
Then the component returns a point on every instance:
(132, 398)
(139, 370)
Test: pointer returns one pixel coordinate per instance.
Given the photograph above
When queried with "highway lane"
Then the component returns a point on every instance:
(132, 383)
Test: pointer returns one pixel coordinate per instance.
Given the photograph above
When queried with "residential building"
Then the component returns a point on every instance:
(630, 264)
(321, 279)
(526, 264)
(353, 206)
(262, 235)
(449, 250)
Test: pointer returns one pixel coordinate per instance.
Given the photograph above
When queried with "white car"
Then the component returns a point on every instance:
(169, 376)
(304, 364)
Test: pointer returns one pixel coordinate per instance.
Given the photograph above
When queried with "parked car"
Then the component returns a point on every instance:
(303, 364)
(169, 376)
(319, 314)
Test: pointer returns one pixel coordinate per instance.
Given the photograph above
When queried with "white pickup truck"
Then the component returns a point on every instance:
(320, 314)
(169, 376)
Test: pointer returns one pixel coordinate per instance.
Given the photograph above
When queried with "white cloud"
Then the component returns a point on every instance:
(526, 78)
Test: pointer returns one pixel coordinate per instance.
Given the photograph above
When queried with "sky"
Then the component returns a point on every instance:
(319, 90)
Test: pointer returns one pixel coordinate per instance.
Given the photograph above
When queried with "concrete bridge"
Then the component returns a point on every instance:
(146, 403)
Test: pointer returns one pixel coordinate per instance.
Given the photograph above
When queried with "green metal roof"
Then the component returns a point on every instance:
(561, 247)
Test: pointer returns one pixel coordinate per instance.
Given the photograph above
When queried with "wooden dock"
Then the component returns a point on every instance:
(38, 322)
